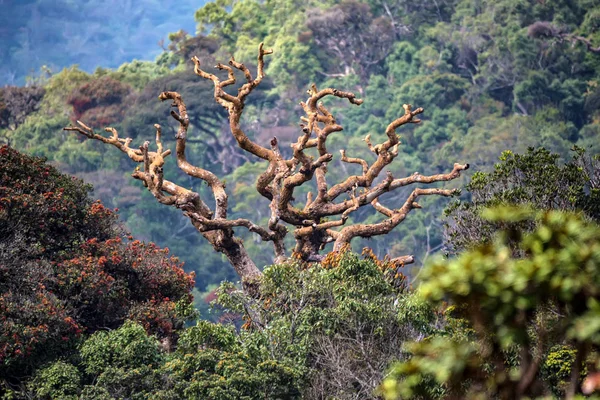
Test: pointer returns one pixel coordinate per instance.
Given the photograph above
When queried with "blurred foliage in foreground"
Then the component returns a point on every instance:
(535, 320)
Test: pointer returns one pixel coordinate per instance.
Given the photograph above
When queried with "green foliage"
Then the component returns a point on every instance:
(242, 25)
(485, 82)
(500, 295)
(339, 324)
(487, 85)
(139, 73)
(58, 380)
(433, 367)
(357, 309)
(556, 369)
(536, 179)
(214, 363)
(127, 347)
(59, 86)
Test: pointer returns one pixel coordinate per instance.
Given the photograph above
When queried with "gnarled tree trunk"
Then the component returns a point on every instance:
(323, 217)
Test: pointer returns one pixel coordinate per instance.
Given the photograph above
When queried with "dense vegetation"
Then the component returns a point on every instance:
(488, 82)
(492, 75)
(284, 349)
(534, 319)
(522, 321)
(536, 179)
(67, 270)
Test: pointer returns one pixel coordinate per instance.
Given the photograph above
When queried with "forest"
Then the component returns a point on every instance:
(235, 252)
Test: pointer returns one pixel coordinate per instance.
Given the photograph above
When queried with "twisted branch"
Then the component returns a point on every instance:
(321, 220)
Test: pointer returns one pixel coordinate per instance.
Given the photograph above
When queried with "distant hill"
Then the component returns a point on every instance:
(91, 33)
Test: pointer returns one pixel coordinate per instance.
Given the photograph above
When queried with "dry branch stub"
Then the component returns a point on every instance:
(323, 219)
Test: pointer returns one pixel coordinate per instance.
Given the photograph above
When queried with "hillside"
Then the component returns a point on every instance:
(40, 36)
(491, 75)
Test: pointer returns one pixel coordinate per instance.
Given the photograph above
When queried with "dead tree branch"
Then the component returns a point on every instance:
(323, 218)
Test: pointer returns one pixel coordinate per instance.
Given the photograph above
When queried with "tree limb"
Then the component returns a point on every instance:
(320, 220)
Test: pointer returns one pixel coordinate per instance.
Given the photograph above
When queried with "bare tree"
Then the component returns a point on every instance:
(323, 217)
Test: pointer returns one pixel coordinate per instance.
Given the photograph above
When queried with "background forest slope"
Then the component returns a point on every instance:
(53, 34)
(491, 75)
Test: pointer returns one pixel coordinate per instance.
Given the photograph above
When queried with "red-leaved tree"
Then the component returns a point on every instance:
(67, 269)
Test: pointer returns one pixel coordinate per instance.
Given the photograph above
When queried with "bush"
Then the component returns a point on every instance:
(66, 269)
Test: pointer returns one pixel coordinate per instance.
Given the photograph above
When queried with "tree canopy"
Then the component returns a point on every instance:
(528, 315)
(67, 269)
(510, 313)
(489, 77)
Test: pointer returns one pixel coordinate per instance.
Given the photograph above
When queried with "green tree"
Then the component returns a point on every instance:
(518, 308)
(310, 331)
(535, 179)
(17, 103)
(340, 324)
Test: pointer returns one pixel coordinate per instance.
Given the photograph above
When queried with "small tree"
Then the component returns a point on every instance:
(352, 37)
(16, 103)
(536, 179)
(314, 225)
